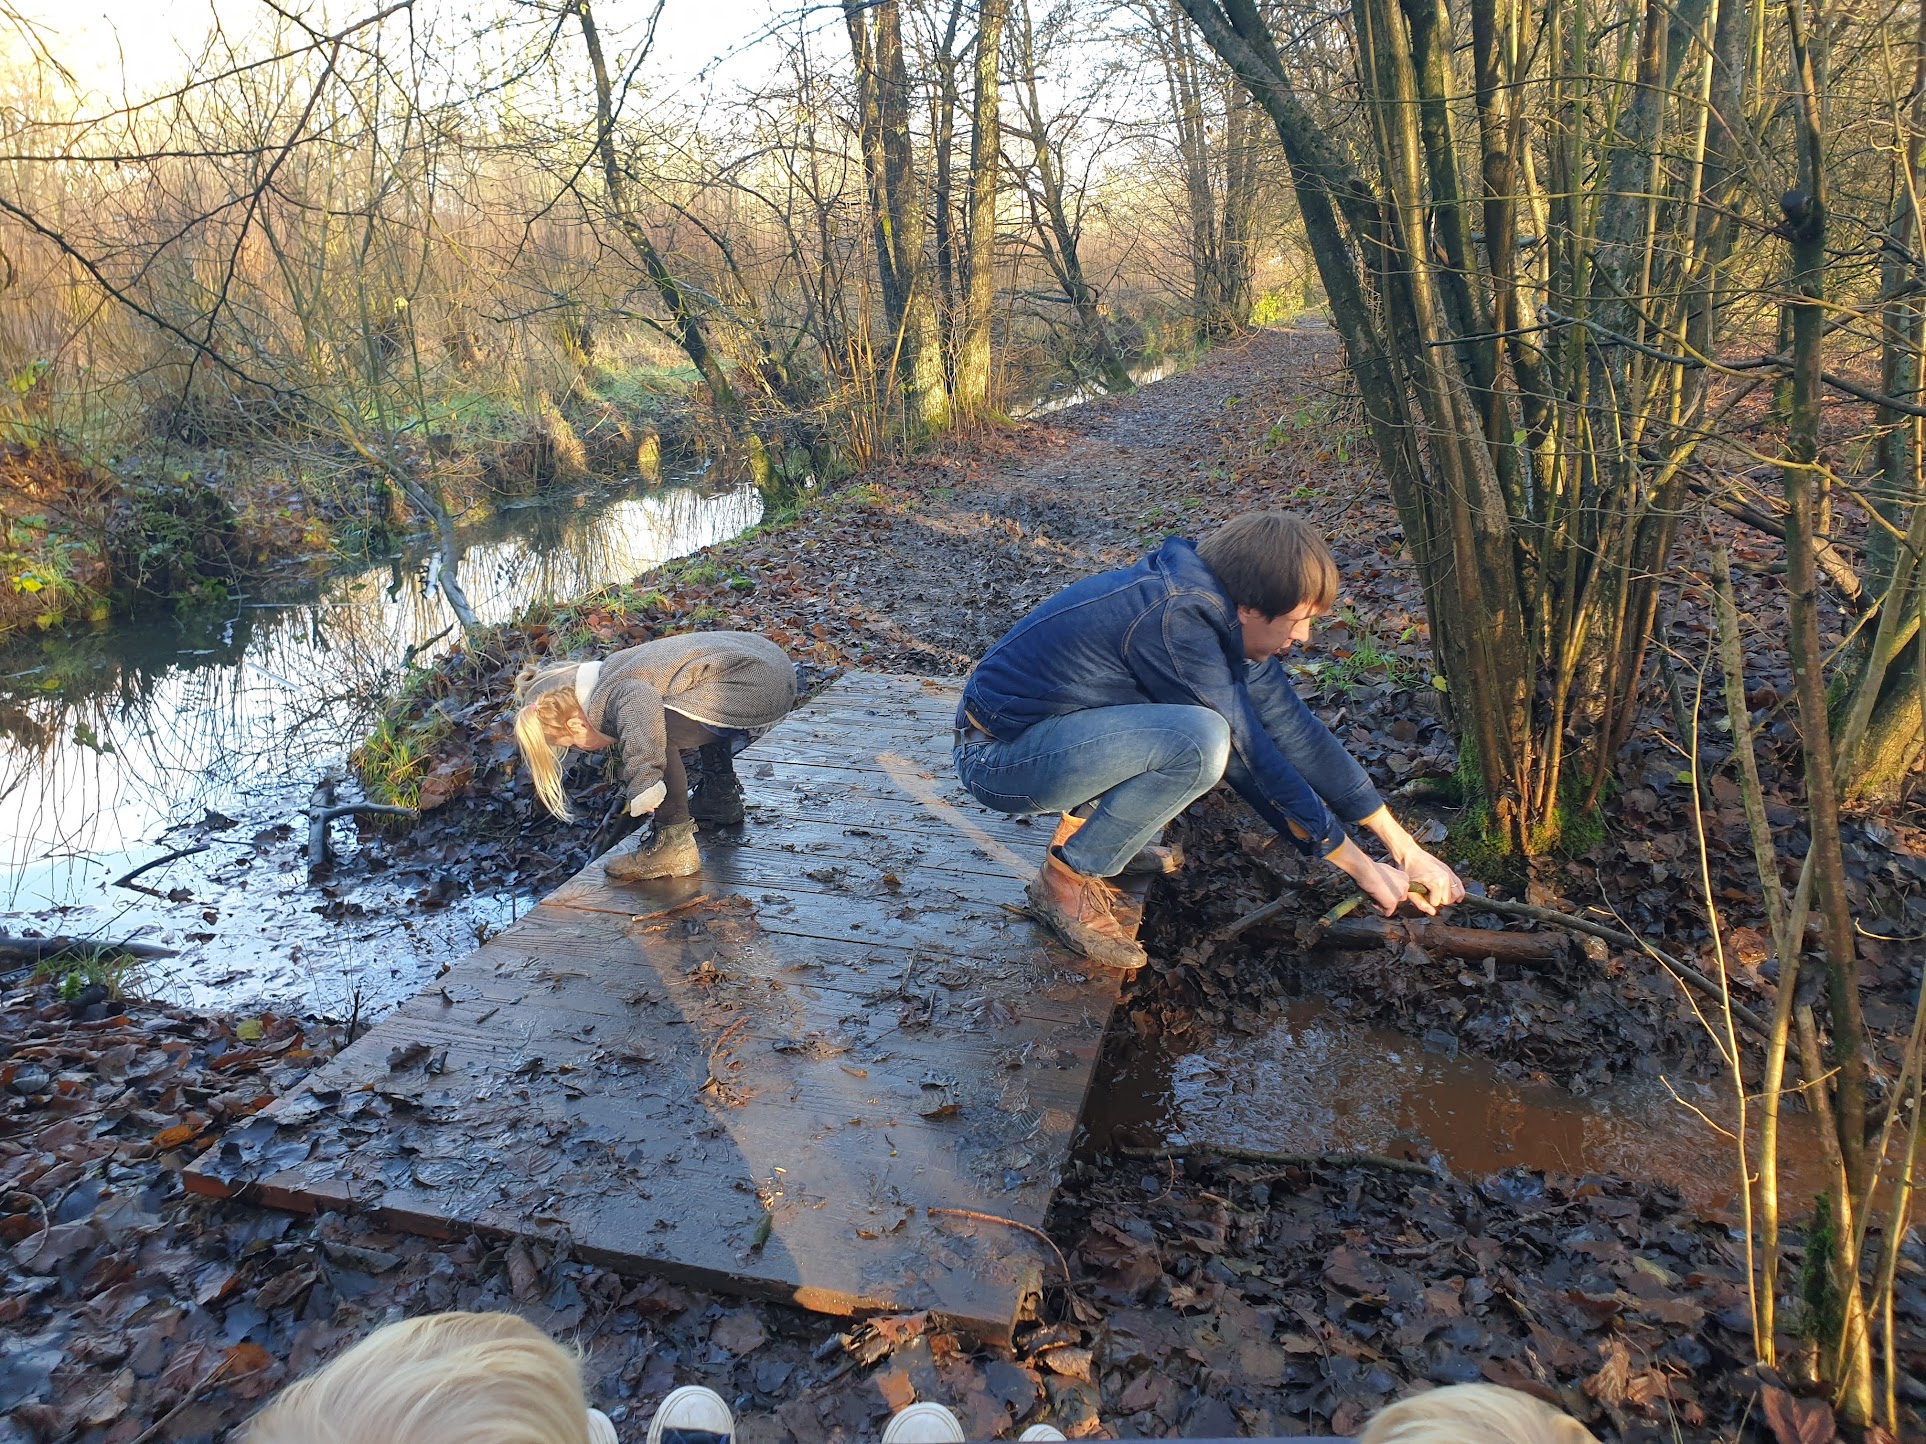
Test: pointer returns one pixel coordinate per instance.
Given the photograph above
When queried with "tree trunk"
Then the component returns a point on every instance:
(979, 284)
(1805, 230)
(876, 40)
(683, 319)
(1061, 243)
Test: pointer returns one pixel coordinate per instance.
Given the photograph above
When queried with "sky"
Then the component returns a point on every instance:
(698, 42)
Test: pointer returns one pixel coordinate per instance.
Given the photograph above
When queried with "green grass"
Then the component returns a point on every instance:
(1368, 655)
(121, 975)
(1480, 848)
(392, 761)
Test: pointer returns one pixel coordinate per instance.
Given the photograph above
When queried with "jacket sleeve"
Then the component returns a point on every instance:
(1177, 655)
(636, 712)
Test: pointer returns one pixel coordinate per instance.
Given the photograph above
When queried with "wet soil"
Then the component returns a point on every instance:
(1204, 1297)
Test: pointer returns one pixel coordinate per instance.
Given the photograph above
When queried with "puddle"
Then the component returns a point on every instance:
(1313, 1083)
(116, 744)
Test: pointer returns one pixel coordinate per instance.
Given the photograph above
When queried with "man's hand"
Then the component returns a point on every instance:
(1441, 886)
(1385, 885)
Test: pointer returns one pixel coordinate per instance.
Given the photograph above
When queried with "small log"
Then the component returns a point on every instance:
(322, 809)
(1444, 939)
(37, 950)
(319, 801)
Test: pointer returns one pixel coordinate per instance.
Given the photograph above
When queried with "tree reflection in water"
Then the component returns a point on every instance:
(109, 740)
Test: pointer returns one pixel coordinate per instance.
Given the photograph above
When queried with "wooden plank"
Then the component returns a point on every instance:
(784, 1076)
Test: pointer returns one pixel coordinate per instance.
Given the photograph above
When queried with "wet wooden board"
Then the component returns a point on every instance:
(840, 1067)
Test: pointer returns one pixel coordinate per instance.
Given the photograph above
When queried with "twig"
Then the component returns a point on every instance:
(1062, 1263)
(46, 1227)
(126, 879)
(715, 1052)
(1283, 1160)
(153, 1430)
(683, 906)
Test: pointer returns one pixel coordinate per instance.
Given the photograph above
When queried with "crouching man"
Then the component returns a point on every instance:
(1128, 695)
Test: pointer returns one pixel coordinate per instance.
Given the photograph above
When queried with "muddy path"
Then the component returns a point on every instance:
(1207, 1296)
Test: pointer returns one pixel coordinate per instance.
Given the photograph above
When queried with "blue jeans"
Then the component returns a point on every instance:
(1141, 765)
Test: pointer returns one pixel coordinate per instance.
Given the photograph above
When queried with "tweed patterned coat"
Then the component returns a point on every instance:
(730, 680)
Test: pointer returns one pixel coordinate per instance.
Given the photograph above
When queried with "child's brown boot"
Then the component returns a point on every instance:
(670, 853)
(1078, 909)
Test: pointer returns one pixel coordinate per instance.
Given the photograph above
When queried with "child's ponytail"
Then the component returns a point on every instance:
(547, 697)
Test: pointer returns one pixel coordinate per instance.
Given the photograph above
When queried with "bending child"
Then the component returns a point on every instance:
(701, 691)
(1128, 695)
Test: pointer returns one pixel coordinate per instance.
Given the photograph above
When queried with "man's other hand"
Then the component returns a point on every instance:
(1433, 884)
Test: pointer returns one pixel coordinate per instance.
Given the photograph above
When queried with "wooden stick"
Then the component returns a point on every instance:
(683, 906)
(1283, 1160)
(321, 812)
(126, 879)
(1682, 971)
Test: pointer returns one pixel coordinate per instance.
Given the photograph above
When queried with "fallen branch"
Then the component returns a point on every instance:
(126, 879)
(1231, 1154)
(322, 809)
(38, 950)
(1330, 922)
(1684, 972)
(1452, 942)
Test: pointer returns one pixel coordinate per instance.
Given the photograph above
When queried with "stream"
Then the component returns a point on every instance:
(120, 745)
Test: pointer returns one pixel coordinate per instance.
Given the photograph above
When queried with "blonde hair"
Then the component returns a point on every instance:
(1272, 562)
(442, 1379)
(1473, 1414)
(547, 701)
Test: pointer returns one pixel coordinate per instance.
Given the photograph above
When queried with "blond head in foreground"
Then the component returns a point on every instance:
(1473, 1414)
(443, 1379)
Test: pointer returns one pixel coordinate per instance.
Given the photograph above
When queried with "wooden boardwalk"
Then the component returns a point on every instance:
(815, 1072)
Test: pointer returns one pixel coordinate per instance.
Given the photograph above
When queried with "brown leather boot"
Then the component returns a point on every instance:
(1153, 861)
(1078, 909)
(672, 853)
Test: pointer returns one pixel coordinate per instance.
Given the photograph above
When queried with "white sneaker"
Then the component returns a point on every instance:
(1038, 1432)
(693, 1409)
(601, 1428)
(924, 1423)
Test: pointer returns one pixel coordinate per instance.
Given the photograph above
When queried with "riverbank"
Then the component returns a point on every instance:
(1208, 1296)
(216, 495)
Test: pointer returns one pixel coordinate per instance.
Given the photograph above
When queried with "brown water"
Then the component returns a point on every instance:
(1314, 1083)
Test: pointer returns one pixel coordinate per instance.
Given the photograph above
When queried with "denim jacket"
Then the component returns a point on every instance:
(1164, 631)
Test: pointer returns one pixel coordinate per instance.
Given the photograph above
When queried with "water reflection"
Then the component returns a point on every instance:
(1313, 1083)
(108, 741)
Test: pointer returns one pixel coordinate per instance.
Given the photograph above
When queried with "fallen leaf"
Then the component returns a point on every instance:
(1797, 1421)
